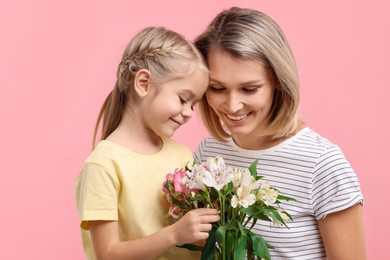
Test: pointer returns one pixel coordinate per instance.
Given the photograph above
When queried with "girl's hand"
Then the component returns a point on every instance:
(194, 225)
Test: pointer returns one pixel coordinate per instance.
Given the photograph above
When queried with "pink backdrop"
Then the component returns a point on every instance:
(58, 62)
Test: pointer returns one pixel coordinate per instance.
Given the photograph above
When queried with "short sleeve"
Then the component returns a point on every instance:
(335, 184)
(96, 194)
(199, 151)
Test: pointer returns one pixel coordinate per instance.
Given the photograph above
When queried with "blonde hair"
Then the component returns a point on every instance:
(164, 53)
(252, 35)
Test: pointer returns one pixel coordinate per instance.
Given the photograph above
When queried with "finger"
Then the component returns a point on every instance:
(209, 218)
(207, 211)
(206, 227)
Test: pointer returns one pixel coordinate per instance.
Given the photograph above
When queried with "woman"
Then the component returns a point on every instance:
(250, 109)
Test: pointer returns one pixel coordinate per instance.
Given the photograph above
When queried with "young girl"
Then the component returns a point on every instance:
(250, 110)
(119, 191)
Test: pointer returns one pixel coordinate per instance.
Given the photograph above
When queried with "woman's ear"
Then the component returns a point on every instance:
(142, 82)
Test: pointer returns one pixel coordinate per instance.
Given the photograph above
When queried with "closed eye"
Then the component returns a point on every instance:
(182, 100)
(216, 89)
(251, 90)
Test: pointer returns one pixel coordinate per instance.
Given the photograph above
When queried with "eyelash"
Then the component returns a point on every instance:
(251, 90)
(247, 90)
(183, 101)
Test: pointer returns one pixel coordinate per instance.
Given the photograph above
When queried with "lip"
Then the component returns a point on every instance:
(177, 122)
(237, 118)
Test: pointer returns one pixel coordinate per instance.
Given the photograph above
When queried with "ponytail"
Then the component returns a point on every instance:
(110, 113)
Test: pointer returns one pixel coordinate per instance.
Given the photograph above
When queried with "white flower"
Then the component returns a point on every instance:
(249, 180)
(237, 178)
(283, 216)
(244, 195)
(217, 173)
(194, 177)
(267, 194)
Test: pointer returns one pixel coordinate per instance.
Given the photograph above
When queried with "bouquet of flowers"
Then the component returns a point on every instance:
(241, 198)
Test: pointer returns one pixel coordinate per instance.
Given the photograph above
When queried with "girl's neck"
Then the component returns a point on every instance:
(132, 134)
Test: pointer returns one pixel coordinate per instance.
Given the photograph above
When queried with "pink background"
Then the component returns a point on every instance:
(58, 61)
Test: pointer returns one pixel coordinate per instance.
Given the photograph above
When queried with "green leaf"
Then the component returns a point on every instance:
(282, 197)
(229, 188)
(196, 198)
(255, 211)
(288, 215)
(249, 247)
(191, 247)
(240, 248)
(260, 246)
(253, 169)
(208, 252)
(274, 214)
(219, 234)
(229, 241)
(174, 201)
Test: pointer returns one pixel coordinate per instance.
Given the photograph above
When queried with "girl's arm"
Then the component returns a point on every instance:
(343, 234)
(194, 226)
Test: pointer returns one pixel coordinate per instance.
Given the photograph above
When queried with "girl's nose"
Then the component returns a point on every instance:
(187, 111)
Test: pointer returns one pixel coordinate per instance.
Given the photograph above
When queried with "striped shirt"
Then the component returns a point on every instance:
(306, 167)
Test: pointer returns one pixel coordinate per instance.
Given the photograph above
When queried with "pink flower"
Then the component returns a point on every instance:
(179, 184)
(168, 178)
(174, 211)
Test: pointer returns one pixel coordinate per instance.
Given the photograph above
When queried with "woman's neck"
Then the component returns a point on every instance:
(257, 143)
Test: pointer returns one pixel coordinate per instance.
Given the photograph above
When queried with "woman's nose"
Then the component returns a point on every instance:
(234, 103)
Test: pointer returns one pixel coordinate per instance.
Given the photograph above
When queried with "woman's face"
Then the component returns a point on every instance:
(241, 93)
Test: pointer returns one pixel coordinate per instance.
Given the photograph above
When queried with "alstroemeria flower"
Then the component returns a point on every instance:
(267, 194)
(249, 181)
(174, 211)
(283, 215)
(238, 196)
(178, 183)
(168, 178)
(244, 195)
(237, 178)
(243, 198)
(217, 173)
(194, 177)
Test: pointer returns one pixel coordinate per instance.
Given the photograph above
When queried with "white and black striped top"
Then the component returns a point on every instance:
(306, 167)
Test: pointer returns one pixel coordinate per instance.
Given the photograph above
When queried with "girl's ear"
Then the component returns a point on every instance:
(142, 82)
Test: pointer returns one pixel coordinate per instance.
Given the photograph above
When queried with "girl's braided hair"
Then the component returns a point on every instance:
(164, 53)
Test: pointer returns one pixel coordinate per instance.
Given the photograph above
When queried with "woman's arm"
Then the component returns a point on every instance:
(194, 226)
(343, 234)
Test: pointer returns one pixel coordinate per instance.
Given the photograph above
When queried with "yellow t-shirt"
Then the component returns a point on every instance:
(118, 184)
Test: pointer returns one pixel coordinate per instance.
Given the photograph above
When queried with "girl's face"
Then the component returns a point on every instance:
(241, 94)
(171, 104)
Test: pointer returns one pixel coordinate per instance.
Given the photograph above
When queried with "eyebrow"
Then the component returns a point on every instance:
(250, 82)
(191, 94)
(188, 91)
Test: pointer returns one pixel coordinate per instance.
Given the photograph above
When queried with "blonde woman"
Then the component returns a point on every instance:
(119, 190)
(250, 110)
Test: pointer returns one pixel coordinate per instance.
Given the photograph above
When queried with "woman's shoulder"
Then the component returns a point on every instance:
(309, 137)
(310, 144)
